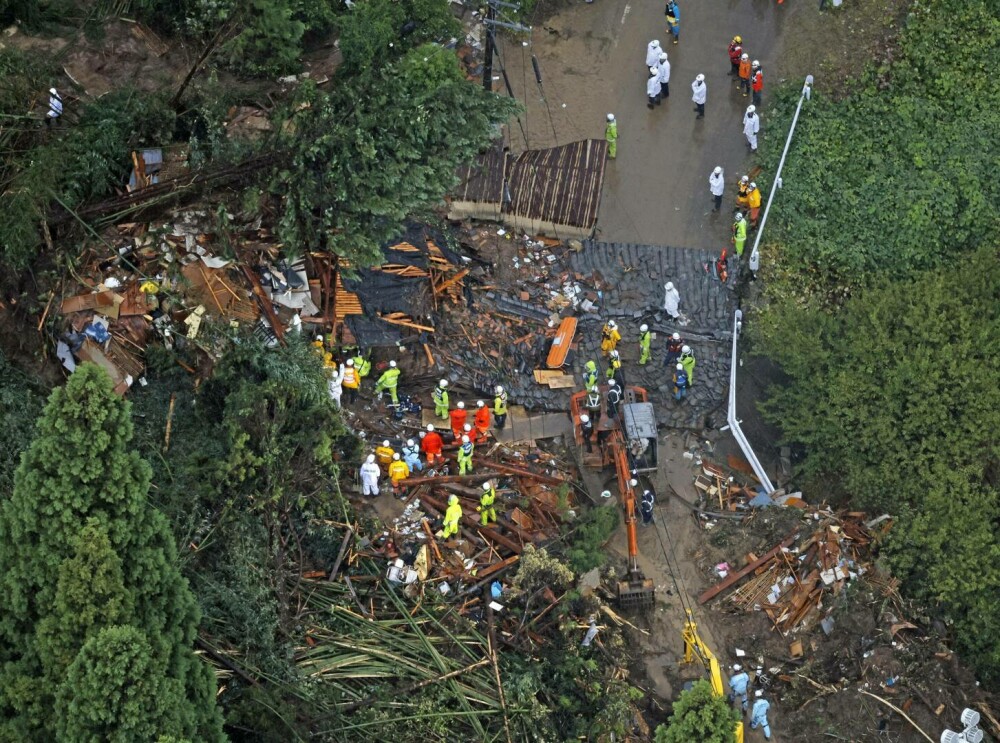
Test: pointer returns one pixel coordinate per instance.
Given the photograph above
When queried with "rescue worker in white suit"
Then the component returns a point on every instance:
(751, 125)
(652, 53)
(370, 473)
(336, 384)
(672, 300)
(653, 88)
(664, 68)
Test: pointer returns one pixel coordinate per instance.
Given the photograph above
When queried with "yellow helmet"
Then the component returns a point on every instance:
(738, 39)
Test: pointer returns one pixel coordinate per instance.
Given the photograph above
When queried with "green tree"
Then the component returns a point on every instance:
(378, 32)
(381, 147)
(78, 506)
(895, 178)
(117, 690)
(894, 399)
(21, 403)
(700, 716)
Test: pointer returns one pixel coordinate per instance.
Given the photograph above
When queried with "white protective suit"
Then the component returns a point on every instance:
(699, 92)
(672, 300)
(664, 68)
(751, 125)
(717, 183)
(653, 86)
(652, 53)
(336, 385)
(369, 478)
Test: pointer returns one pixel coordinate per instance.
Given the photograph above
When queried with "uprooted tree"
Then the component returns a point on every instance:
(97, 624)
(701, 716)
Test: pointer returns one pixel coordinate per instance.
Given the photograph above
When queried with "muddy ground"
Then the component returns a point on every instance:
(591, 58)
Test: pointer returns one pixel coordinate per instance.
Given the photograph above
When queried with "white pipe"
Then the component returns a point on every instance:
(734, 423)
(755, 253)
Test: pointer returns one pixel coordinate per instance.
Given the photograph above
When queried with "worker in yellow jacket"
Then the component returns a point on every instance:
(609, 337)
(398, 471)
(389, 381)
(452, 516)
(486, 501)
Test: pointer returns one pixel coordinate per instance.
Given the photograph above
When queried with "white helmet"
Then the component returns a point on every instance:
(752, 185)
(737, 667)
(653, 71)
(480, 404)
(751, 109)
(699, 78)
(395, 457)
(486, 485)
(612, 324)
(663, 56)
(467, 427)
(643, 328)
(452, 500)
(718, 170)
(755, 63)
(744, 56)
(443, 383)
(385, 443)
(499, 389)
(53, 91)
(594, 389)
(739, 216)
(633, 483)
(584, 418)
(759, 693)
(611, 117)
(685, 349)
(392, 364)
(465, 439)
(680, 367)
(319, 338)
(371, 459)
(350, 362)
(461, 406)
(676, 336)
(745, 179)
(670, 285)
(409, 442)
(430, 427)
(612, 382)
(654, 43)
(615, 354)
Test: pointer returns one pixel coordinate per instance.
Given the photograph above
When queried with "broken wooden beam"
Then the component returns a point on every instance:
(266, 305)
(512, 470)
(439, 479)
(733, 578)
(406, 324)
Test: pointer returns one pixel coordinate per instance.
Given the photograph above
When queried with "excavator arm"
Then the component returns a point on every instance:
(636, 591)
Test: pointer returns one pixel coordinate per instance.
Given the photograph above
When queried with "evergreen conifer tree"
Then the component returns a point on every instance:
(88, 567)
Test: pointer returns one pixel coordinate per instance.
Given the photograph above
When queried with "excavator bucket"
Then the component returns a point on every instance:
(639, 593)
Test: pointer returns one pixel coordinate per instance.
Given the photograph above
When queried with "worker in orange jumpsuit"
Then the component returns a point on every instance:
(744, 72)
(482, 420)
(458, 417)
(432, 445)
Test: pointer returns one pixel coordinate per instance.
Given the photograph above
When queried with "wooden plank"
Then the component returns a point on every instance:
(406, 323)
(733, 578)
(453, 280)
(88, 302)
(561, 343)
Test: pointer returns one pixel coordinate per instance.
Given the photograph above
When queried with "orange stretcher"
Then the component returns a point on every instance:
(561, 343)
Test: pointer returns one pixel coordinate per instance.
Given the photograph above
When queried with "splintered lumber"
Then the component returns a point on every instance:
(264, 301)
(170, 420)
(441, 479)
(340, 555)
(497, 567)
(733, 578)
(485, 532)
(448, 282)
(430, 538)
(405, 323)
(512, 470)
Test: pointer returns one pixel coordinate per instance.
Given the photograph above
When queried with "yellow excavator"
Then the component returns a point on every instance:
(695, 647)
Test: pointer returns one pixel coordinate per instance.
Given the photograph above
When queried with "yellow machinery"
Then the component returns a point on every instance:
(694, 646)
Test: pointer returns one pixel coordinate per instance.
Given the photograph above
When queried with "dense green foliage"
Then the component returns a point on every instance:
(700, 716)
(899, 176)
(21, 404)
(375, 32)
(88, 568)
(73, 163)
(585, 546)
(896, 398)
(888, 210)
(383, 146)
